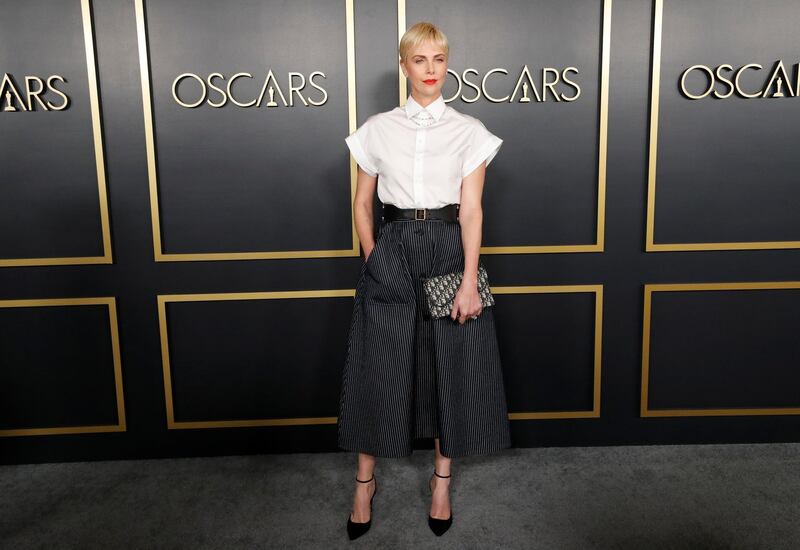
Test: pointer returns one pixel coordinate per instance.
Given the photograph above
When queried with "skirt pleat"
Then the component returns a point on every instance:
(408, 376)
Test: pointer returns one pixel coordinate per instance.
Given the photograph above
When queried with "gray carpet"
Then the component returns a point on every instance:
(633, 497)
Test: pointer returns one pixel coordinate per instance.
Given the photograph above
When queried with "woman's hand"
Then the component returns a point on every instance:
(467, 303)
(366, 254)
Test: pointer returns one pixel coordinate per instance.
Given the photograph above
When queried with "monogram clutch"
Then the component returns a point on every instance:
(440, 291)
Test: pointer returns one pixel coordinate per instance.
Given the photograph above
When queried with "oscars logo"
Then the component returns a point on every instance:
(550, 82)
(216, 82)
(778, 76)
(16, 99)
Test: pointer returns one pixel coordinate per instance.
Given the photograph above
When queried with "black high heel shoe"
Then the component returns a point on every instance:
(439, 526)
(356, 529)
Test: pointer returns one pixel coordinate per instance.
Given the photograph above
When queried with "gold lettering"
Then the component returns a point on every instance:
(8, 86)
(175, 90)
(785, 79)
(51, 86)
(725, 80)
(574, 84)
(710, 87)
(739, 73)
(34, 93)
(474, 85)
(525, 74)
(323, 90)
(296, 89)
(264, 88)
(549, 85)
(216, 89)
(797, 81)
(483, 85)
(230, 93)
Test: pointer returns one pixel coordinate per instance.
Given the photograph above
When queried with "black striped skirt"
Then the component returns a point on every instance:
(409, 376)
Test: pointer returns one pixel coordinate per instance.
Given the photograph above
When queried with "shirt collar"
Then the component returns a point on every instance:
(436, 108)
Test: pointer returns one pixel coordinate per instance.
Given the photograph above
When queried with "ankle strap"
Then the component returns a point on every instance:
(437, 475)
(367, 481)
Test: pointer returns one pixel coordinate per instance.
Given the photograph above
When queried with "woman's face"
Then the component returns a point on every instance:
(426, 69)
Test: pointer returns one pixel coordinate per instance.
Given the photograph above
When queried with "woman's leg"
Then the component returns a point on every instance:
(440, 502)
(364, 491)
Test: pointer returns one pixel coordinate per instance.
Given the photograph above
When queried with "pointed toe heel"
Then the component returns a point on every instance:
(439, 526)
(356, 529)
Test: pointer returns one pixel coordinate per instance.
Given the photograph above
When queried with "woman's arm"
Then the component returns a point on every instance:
(470, 215)
(362, 210)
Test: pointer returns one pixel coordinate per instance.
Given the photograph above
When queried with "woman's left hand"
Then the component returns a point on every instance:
(466, 304)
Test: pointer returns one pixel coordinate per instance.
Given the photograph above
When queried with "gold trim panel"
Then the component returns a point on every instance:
(597, 290)
(649, 289)
(164, 299)
(172, 424)
(599, 246)
(650, 245)
(152, 175)
(110, 302)
(97, 133)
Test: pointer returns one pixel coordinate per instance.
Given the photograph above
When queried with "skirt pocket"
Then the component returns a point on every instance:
(387, 278)
(388, 345)
(378, 239)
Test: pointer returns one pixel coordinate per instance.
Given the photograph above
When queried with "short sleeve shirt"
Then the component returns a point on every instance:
(421, 166)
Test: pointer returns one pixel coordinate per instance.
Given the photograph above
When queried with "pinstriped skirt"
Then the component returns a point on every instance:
(409, 376)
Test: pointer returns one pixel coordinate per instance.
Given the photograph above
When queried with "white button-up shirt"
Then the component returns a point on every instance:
(421, 166)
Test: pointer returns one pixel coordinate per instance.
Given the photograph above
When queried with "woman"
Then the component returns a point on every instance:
(409, 376)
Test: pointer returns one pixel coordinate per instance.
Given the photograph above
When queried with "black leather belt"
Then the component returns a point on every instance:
(448, 213)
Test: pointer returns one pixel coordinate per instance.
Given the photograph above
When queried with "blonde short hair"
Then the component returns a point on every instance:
(422, 32)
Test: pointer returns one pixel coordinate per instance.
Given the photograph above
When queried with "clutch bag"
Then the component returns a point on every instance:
(440, 291)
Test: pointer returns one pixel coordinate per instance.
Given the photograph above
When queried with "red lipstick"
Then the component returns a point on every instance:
(432, 81)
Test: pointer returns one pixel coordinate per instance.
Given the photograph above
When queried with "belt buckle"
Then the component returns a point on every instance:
(417, 211)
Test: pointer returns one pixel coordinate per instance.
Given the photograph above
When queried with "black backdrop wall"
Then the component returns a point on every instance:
(177, 280)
